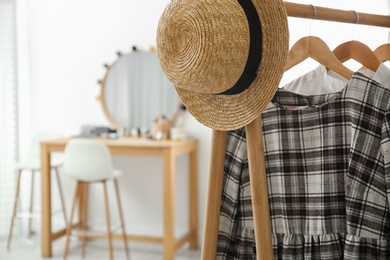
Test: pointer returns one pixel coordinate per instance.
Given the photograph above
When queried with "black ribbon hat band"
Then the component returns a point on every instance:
(255, 50)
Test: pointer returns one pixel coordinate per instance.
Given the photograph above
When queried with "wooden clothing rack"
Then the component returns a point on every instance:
(257, 171)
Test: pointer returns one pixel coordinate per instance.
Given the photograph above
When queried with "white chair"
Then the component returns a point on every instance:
(33, 164)
(89, 161)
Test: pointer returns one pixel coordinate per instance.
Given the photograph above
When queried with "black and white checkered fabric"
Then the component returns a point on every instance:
(328, 171)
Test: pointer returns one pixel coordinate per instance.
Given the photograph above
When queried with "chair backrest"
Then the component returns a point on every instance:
(87, 160)
(35, 148)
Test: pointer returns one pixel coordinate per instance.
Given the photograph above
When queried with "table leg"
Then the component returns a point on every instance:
(46, 202)
(214, 194)
(193, 197)
(82, 200)
(169, 196)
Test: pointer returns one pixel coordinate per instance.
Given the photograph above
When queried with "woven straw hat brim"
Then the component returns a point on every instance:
(229, 112)
(203, 45)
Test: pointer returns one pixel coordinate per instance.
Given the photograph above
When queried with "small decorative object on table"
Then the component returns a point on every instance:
(162, 125)
(161, 128)
(98, 131)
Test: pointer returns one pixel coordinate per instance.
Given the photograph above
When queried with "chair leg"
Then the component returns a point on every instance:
(14, 211)
(61, 194)
(31, 202)
(108, 220)
(122, 219)
(70, 225)
(85, 216)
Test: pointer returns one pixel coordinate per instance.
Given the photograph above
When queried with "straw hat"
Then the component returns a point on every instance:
(205, 45)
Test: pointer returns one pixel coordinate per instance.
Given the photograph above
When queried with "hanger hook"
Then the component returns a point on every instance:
(314, 17)
(357, 22)
(388, 37)
(357, 17)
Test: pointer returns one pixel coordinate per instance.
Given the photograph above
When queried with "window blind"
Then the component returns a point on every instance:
(8, 111)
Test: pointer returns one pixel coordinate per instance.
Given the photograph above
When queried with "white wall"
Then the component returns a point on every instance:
(62, 48)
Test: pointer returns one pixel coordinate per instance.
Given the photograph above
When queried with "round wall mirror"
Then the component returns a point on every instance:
(135, 90)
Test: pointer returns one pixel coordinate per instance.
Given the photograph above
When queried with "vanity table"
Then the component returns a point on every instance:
(168, 150)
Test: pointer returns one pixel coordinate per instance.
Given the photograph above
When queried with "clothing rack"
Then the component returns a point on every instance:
(257, 171)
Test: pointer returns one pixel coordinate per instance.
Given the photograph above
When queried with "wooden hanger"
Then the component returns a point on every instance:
(383, 52)
(315, 48)
(359, 52)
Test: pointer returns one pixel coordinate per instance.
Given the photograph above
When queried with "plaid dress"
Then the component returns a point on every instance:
(328, 172)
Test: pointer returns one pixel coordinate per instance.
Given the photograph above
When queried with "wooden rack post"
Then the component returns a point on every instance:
(257, 171)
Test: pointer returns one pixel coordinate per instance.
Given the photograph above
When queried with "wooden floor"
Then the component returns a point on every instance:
(23, 249)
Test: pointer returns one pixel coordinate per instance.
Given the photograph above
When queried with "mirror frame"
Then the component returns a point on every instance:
(102, 99)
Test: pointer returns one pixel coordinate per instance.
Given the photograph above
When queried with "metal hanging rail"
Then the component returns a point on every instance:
(336, 15)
